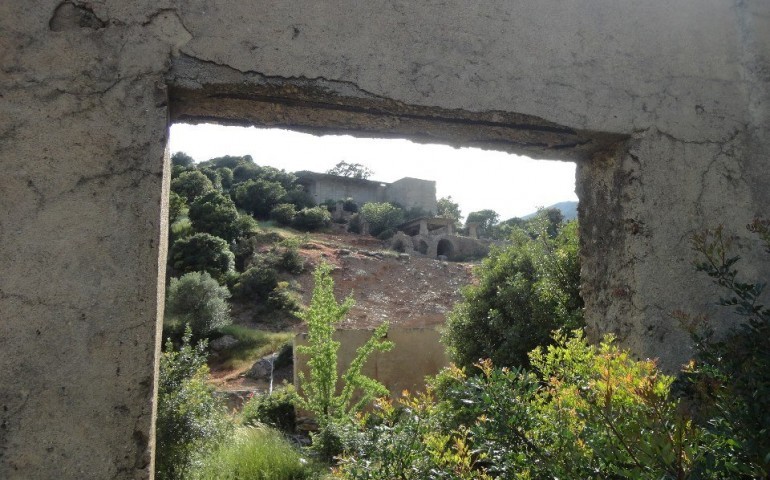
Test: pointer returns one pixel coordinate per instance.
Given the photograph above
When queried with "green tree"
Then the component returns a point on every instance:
(311, 219)
(177, 207)
(350, 170)
(198, 300)
(447, 208)
(524, 291)
(486, 219)
(216, 214)
(191, 185)
(190, 420)
(202, 252)
(318, 389)
(259, 196)
(381, 217)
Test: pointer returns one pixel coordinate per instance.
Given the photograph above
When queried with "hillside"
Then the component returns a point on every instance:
(568, 209)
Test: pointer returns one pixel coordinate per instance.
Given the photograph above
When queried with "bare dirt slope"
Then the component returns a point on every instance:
(408, 291)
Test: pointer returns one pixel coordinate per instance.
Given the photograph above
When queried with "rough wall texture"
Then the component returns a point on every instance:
(664, 105)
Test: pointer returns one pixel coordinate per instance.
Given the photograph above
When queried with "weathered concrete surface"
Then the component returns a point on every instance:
(663, 104)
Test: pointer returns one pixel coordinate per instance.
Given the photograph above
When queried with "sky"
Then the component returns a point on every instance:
(511, 185)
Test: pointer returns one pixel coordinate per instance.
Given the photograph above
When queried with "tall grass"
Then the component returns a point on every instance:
(252, 344)
(256, 454)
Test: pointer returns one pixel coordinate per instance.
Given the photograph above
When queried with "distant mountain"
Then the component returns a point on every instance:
(568, 209)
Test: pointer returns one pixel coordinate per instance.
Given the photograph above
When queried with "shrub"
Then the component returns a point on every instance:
(381, 217)
(190, 420)
(258, 196)
(202, 252)
(215, 213)
(177, 207)
(350, 205)
(275, 409)
(284, 298)
(728, 382)
(191, 185)
(290, 260)
(257, 281)
(524, 292)
(256, 454)
(311, 219)
(585, 412)
(198, 300)
(283, 213)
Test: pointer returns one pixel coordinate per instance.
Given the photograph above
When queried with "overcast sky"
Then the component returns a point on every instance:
(511, 185)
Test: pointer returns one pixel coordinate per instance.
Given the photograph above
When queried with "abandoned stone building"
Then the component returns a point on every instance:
(437, 237)
(407, 192)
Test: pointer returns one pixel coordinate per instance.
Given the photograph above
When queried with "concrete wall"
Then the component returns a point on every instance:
(417, 354)
(664, 105)
(329, 187)
(413, 192)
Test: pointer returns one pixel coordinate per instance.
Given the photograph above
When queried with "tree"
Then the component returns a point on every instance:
(216, 214)
(486, 219)
(181, 159)
(202, 252)
(350, 170)
(177, 207)
(259, 196)
(524, 291)
(318, 389)
(311, 219)
(381, 217)
(191, 185)
(446, 208)
(199, 301)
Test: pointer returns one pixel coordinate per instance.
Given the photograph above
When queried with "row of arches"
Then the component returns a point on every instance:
(431, 247)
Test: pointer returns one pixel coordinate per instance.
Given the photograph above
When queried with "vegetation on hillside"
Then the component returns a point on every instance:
(525, 290)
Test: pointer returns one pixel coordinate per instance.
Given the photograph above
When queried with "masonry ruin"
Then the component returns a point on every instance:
(662, 105)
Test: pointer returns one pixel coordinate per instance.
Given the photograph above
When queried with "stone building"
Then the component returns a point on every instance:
(407, 192)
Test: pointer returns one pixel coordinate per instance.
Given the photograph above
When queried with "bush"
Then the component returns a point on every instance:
(728, 382)
(256, 454)
(202, 252)
(585, 412)
(283, 213)
(524, 292)
(191, 185)
(198, 300)
(259, 196)
(256, 282)
(190, 420)
(381, 217)
(215, 213)
(276, 409)
(311, 219)
(350, 205)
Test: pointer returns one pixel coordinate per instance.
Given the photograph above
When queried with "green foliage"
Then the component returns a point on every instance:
(584, 412)
(252, 345)
(318, 390)
(447, 208)
(199, 301)
(256, 283)
(177, 207)
(226, 178)
(216, 214)
(275, 409)
(350, 170)
(290, 260)
(312, 219)
(245, 226)
(487, 219)
(202, 252)
(381, 217)
(298, 197)
(283, 213)
(190, 420)
(729, 379)
(191, 185)
(181, 159)
(259, 196)
(350, 205)
(524, 291)
(256, 454)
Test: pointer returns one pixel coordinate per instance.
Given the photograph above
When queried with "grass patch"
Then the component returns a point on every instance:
(257, 454)
(252, 345)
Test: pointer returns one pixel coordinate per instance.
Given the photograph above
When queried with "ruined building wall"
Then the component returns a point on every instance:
(663, 105)
(413, 192)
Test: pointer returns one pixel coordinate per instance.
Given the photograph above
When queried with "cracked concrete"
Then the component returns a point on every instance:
(663, 106)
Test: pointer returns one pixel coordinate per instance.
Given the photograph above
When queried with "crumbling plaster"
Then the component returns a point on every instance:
(664, 106)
